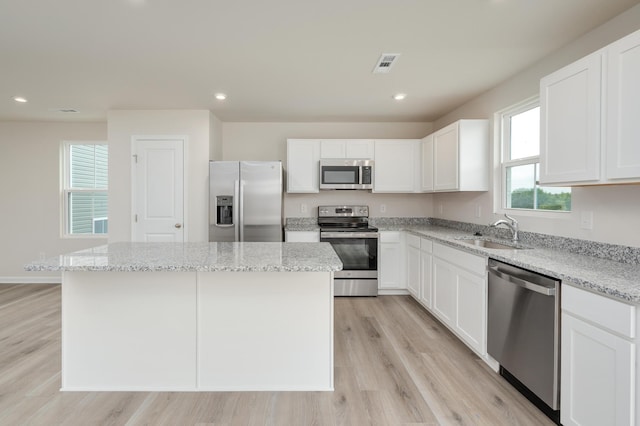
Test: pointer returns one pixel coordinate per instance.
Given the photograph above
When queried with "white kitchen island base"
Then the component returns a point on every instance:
(197, 331)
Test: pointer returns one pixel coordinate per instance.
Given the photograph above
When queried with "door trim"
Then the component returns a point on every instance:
(185, 185)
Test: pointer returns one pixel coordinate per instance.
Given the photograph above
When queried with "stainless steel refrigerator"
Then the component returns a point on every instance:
(245, 201)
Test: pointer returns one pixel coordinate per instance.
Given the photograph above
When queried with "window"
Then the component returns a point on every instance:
(85, 188)
(520, 167)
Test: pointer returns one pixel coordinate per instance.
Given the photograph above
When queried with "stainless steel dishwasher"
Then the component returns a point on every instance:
(524, 333)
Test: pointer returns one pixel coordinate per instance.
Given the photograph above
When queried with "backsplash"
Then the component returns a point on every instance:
(398, 222)
(617, 253)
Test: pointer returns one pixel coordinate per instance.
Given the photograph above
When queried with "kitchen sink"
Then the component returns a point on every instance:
(491, 244)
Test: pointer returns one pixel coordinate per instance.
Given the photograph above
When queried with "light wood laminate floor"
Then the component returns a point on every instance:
(394, 365)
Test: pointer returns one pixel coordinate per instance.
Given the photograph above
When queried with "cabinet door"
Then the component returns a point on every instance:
(390, 266)
(623, 108)
(426, 279)
(333, 149)
(570, 116)
(302, 236)
(445, 164)
(444, 291)
(427, 164)
(303, 156)
(396, 164)
(597, 376)
(471, 310)
(359, 149)
(413, 271)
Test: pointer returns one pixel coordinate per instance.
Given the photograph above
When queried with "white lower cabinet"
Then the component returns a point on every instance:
(391, 270)
(426, 291)
(598, 360)
(444, 290)
(302, 236)
(413, 265)
(460, 294)
(419, 268)
(451, 284)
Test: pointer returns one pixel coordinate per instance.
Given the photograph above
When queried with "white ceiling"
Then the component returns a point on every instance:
(278, 60)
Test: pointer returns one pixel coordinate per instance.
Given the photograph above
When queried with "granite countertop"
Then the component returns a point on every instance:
(301, 224)
(615, 279)
(607, 269)
(204, 257)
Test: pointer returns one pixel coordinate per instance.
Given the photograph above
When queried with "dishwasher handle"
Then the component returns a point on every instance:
(547, 291)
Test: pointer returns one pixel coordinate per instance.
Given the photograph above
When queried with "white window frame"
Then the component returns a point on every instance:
(502, 151)
(65, 165)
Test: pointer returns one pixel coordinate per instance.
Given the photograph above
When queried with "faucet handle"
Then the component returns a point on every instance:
(513, 221)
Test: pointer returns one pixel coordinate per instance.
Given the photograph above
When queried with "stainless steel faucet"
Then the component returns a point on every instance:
(512, 224)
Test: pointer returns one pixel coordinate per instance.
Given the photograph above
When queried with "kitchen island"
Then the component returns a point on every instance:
(197, 316)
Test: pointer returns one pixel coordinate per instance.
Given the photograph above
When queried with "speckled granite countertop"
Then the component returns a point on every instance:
(204, 257)
(615, 279)
(301, 224)
(607, 269)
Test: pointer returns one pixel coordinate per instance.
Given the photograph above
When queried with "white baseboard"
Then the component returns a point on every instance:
(31, 280)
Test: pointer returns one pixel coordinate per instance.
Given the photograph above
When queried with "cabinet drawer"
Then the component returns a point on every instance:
(389, 237)
(426, 245)
(471, 262)
(607, 313)
(413, 241)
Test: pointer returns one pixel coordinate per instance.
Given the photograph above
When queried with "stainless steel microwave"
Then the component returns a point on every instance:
(346, 173)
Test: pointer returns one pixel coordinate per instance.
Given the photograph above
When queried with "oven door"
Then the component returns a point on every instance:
(358, 252)
(340, 177)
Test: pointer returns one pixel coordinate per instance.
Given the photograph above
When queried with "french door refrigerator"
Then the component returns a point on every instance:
(245, 201)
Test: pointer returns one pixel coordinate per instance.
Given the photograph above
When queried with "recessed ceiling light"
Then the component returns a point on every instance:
(20, 99)
(399, 96)
(220, 96)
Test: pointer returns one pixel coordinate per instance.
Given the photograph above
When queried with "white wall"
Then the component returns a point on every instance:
(615, 208)
(268, 141)
(215, 138)
(122, 125)
(30, 190)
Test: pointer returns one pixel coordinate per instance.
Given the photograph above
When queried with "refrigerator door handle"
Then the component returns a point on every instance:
(241, 212)
(236, 208)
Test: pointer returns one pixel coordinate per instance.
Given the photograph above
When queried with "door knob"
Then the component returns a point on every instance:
(178, 225)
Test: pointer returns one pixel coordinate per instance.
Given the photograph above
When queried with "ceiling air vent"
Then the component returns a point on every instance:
(385, 62)
(68, 110)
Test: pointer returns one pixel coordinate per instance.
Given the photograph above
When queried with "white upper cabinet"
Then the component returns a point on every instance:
(570, 122)
(427, 164)
(589, 118)
(347, 148)
(303, 156)
(623, 108)
(397, 165)
(445, 154)
(461, 157)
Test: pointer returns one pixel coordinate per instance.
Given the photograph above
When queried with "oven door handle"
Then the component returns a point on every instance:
(368, 235)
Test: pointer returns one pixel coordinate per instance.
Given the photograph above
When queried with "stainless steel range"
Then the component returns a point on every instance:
(356, 243)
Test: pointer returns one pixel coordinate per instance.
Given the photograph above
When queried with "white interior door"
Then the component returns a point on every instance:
(158, 190)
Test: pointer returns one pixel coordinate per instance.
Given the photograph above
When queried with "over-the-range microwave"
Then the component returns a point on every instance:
(346, 173)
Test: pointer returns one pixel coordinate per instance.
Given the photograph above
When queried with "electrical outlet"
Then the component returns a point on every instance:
(42, 255)
(303, 208)
(478, 210)
(586, 220)
(440, 209)
(383, 208)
